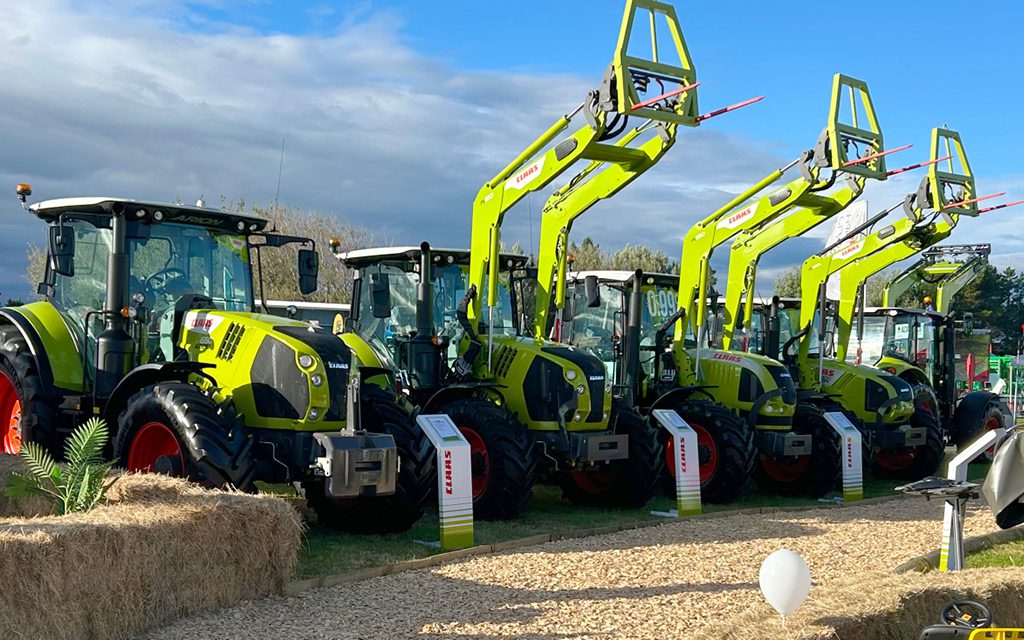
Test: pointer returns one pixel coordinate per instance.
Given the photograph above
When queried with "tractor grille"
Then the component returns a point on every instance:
(337, 359)
(593, 369)
(503, 357)
(279, 388)
(231, 340)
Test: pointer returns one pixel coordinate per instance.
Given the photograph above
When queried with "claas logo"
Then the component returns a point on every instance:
(448, 472)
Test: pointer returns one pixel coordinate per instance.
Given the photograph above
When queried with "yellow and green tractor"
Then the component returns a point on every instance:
(149, 320)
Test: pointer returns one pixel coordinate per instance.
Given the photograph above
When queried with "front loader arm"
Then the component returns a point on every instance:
(834, 150)
(622, 94)
(599, 180)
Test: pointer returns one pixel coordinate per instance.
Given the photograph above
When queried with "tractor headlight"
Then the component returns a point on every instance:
(316, 379)
(570, 375)
(305, 361)
(314, 413)
(580, 389)
(577, 417)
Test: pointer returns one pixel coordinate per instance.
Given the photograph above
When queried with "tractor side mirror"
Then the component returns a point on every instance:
(309, 269)
(380, 295)
(62, 250)
(593, 291)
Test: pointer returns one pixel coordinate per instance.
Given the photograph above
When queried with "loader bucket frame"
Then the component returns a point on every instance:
(862, 129)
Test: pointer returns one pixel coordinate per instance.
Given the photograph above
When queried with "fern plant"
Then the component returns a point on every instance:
(79, 485)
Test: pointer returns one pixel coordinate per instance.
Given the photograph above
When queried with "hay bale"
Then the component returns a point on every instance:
(885, 607)
(161, 548)
(26, 508)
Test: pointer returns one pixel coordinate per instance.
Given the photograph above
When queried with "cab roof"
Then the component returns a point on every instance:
(358, 258)
(50, 210)
(884, 311)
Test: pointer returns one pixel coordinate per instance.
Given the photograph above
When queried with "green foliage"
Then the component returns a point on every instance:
(80, 485)
(997, 301)
(588, 255)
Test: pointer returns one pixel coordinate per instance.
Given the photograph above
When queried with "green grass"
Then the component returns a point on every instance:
(327, 552)
(1008, 554)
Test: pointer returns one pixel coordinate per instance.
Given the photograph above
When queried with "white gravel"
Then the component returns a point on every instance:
(673, 581)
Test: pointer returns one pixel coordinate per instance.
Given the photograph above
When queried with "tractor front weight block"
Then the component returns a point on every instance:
(586, 447)
(784, 443)
(357, 465)
(903, 437)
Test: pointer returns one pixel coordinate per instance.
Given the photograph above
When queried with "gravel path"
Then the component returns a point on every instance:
(671, 581)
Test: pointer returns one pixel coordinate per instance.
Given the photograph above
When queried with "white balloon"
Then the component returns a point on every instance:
(785, 580)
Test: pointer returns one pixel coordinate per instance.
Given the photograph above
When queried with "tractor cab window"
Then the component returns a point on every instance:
(83, 293)
(911, 337)
(176, 268)
(873, 341)
(596, 328)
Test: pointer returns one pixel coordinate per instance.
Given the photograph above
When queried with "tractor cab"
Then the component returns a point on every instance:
(913, 336)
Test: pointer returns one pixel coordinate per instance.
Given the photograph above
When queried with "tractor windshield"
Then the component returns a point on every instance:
(872, 344)
(449, 285)
(911, 337)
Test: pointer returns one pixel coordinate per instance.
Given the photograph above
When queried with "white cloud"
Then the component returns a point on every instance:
(148, 100)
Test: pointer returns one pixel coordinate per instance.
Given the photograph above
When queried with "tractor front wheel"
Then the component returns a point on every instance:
(501, 454)
(629, 483)
(396, 513)
(917, 462)
(27, 414)
(725, 446)
(176, 429)
(812, 475)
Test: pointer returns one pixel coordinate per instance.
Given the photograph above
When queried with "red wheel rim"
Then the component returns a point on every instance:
(991, 423)
(10, 417)
(895, 460)
(595, 482)
(153, 441)
(480, 460)
(707, 453)
(785, 469)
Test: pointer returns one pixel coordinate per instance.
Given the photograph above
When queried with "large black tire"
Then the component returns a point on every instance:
(726, 447)
(919, 462)
(502, 456)
(27, 409)
(214, 449)
(381, 413)
(925, 399)
(813, 475)
(629, 483)
(970, 422)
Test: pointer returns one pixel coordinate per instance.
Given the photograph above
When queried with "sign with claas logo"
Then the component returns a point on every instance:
(686, 459)
(853, 463)
(454, 480)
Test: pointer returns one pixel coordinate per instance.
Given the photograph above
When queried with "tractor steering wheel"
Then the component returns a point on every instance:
(158, 281)
(967, 614)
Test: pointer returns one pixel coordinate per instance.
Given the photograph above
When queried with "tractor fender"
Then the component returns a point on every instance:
(457, 392)
(674, 396)
(914, 376)
(51, 344)
(971, 410)
(147, 375)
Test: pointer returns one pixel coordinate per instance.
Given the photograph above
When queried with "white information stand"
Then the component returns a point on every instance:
(687, 463)
(454, 480)
(851, 452)
(951, 554)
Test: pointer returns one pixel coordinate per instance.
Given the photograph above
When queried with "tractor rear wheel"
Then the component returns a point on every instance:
(920, 461)
(176, 429)
(501, 454)
(381, 413)
(725, 446)
(27, 413)
(975, 415)
(812, 475)
(629, 483)
(925, 399)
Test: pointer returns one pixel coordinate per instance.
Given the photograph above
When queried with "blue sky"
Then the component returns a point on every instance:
(394, 113)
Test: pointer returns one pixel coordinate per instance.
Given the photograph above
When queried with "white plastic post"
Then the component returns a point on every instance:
(851, 453)
(454, 480)
(951, 554)
(686, 461)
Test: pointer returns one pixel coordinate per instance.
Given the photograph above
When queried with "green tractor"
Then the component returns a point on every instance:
(780, 439)
(149, 321)
(520, 400)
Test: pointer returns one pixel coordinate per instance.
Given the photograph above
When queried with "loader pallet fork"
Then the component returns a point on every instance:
(151, 324)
